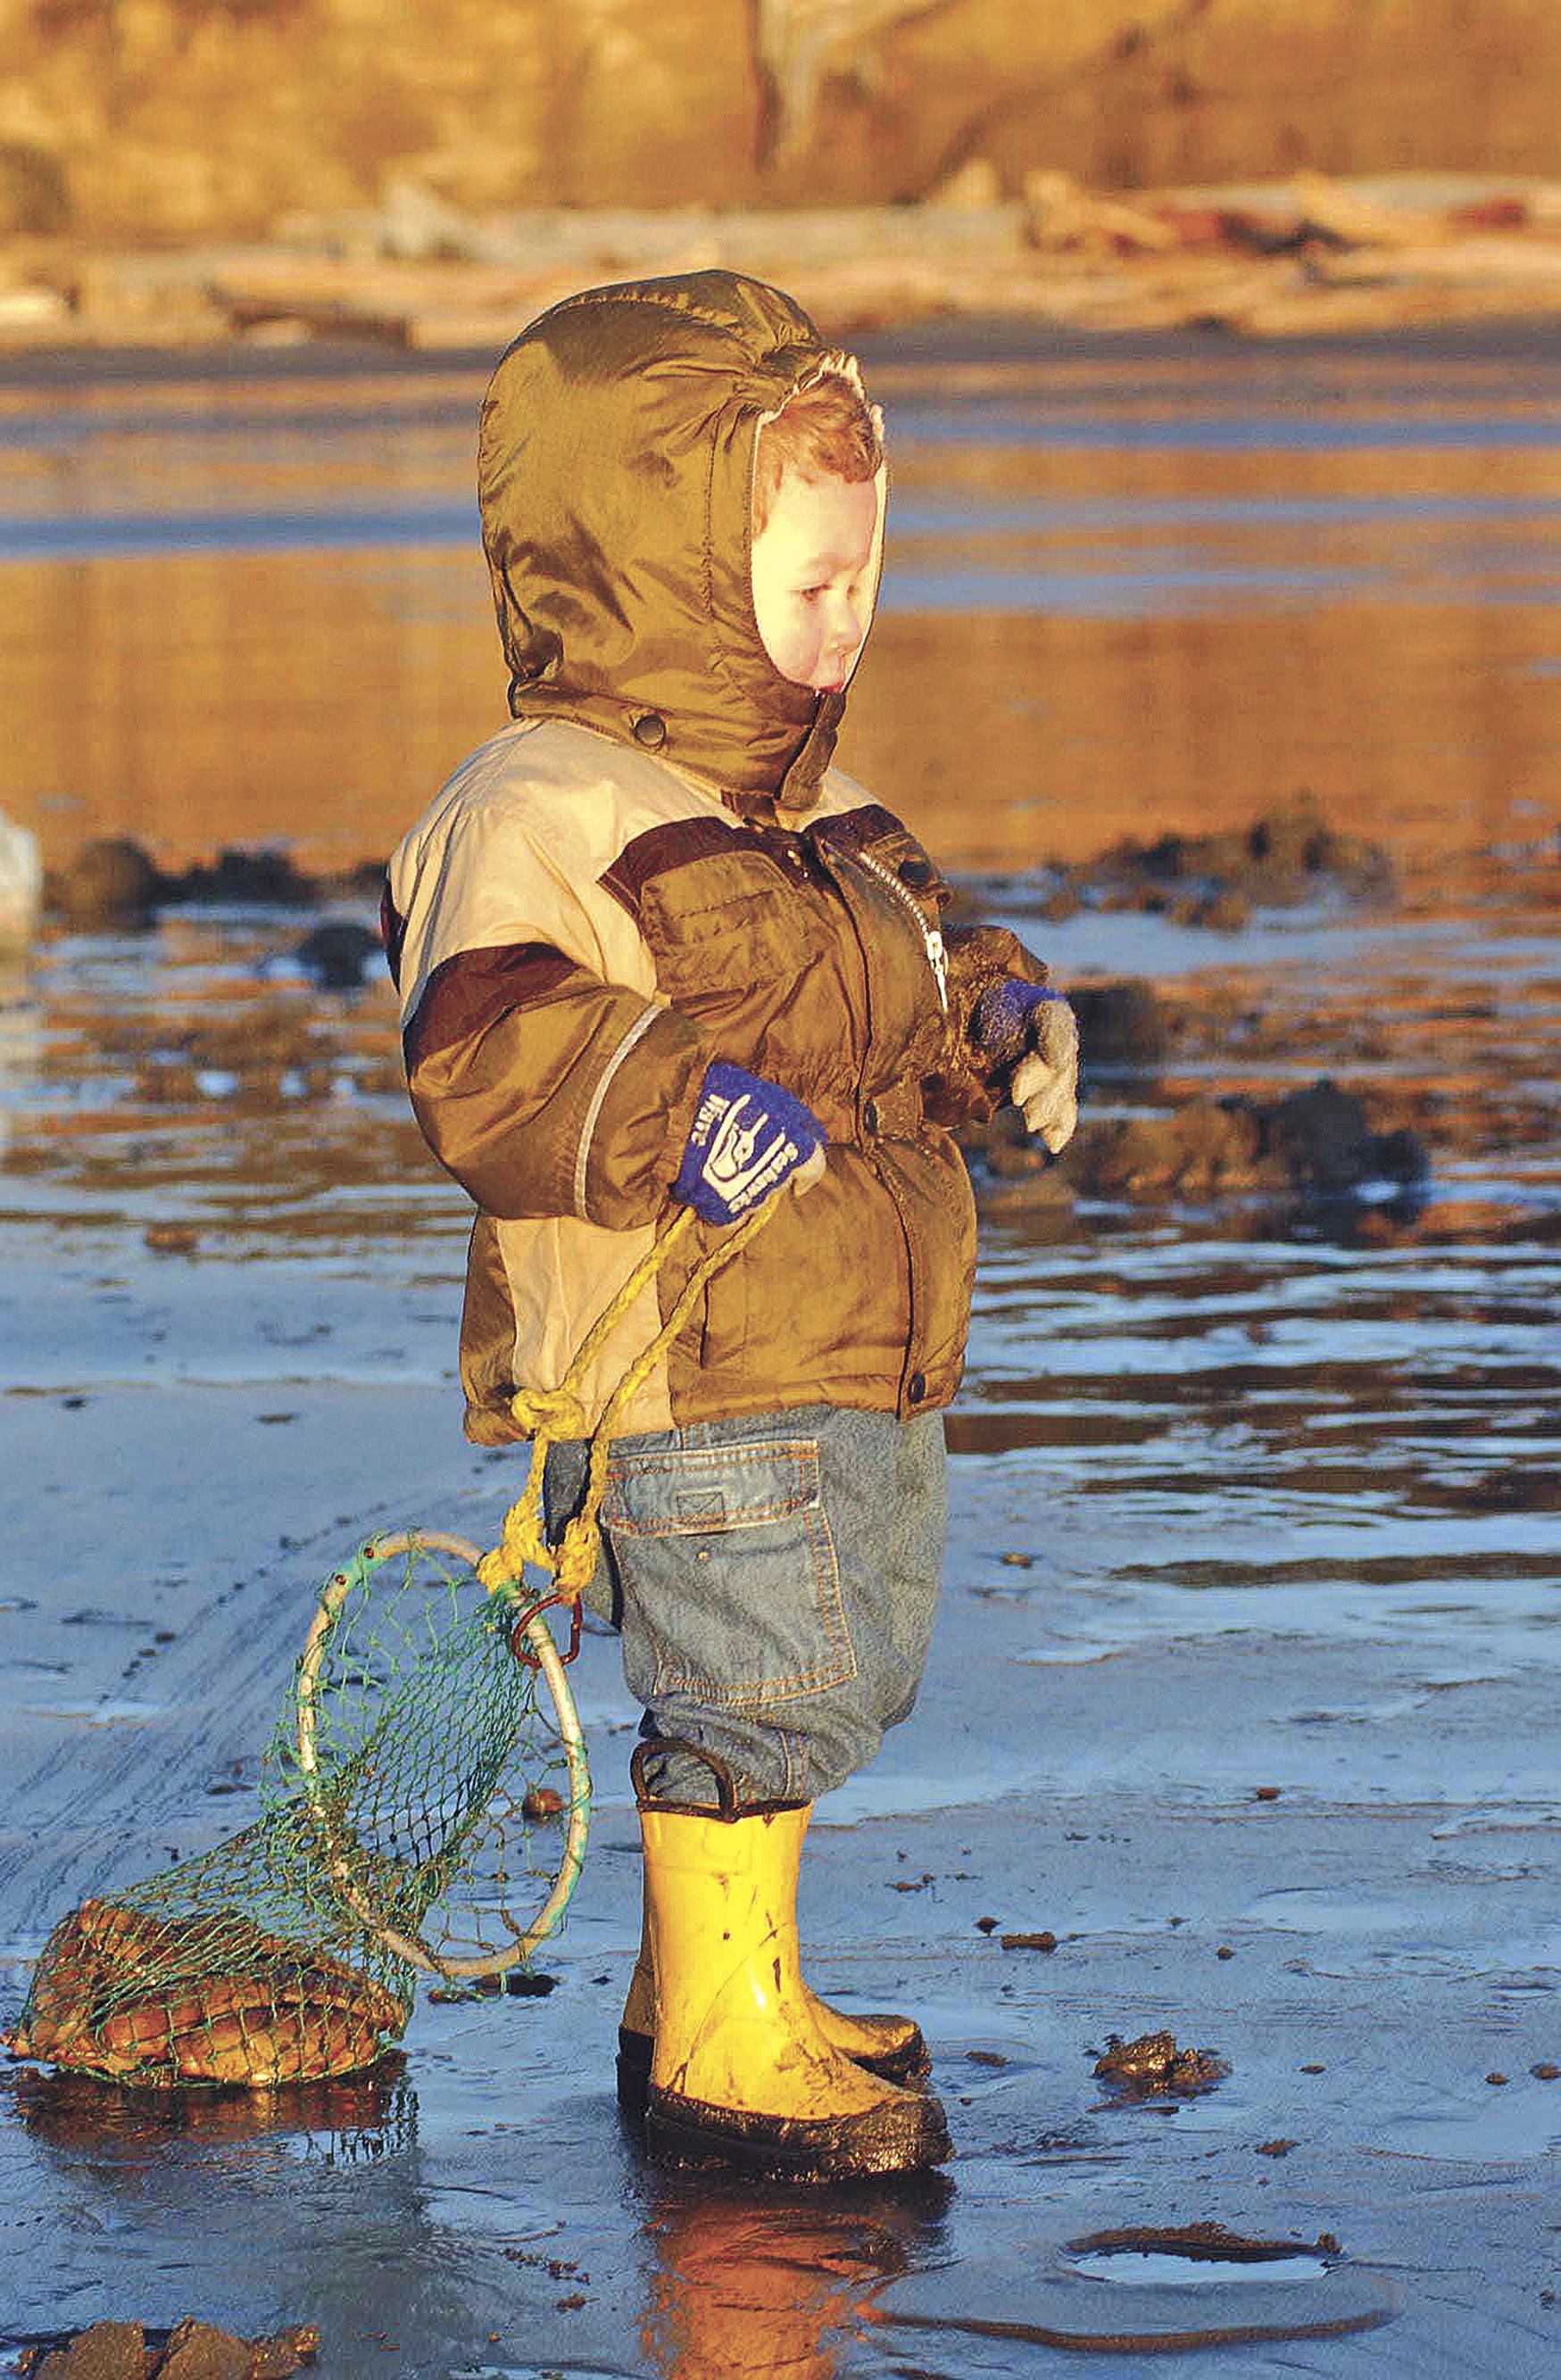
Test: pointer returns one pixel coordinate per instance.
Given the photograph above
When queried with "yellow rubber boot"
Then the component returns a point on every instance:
(741, 2073)
(886, 2044)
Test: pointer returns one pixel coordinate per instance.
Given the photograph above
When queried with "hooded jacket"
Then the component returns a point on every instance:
(656, 866)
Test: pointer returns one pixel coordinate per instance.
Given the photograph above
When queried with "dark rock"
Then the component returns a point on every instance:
(1317, 1144)
(196, 2350)
(266, 879)
(109, 2351)
(1295, 847)
(1321, 1138)
(1190, 1153)
(1324, 1139)
(1120, 1024)
(111, 882)
(1288, 855)
(1400, 1156)
(1156, 2066)
(1291, 840)
(364, 881)
(340, 954)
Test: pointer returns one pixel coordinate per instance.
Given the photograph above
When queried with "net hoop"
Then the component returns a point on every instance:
(542, 1654)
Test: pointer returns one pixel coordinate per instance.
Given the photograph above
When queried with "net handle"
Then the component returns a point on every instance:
(541, 1653)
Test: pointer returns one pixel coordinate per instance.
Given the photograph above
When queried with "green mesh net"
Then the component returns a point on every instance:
(425, 1800)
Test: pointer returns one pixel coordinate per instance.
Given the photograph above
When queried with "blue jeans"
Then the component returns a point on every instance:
(775, 1579)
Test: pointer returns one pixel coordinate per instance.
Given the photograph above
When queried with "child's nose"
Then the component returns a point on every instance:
(848, 619)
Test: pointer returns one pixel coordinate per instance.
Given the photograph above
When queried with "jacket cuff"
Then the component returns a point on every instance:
(641, 1114)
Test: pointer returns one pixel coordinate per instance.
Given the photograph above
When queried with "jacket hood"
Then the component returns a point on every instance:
(614, 476)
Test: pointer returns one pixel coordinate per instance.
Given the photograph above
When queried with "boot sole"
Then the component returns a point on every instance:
(907, 2136)
(909, 2064)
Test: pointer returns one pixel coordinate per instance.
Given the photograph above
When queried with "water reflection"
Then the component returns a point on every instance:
(353, 2119)
(774, 2284)
(1119, 597)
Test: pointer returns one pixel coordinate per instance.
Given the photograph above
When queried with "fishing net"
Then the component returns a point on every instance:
(426, 1801)
(425, 1796)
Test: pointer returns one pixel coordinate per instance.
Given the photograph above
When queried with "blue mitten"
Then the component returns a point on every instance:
(749, 1136)
(1032, 1028)
(1001, 1022)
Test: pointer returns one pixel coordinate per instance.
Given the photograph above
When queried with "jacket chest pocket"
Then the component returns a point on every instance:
(722, 927)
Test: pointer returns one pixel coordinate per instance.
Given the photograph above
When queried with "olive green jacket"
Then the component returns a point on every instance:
(654, 867)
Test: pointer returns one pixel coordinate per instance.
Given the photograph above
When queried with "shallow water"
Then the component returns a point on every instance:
(1126, 586)
(1249, 1497)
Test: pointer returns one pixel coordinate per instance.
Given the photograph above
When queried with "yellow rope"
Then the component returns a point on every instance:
(553, 1414)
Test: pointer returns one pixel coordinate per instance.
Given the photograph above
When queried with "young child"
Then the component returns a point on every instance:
(654, 951)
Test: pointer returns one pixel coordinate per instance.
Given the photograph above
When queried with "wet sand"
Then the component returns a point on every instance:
(1244, 1682)
(1389, 1919)
(1243, 1691)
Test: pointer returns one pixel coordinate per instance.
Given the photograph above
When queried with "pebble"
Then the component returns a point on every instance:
(171, 1239)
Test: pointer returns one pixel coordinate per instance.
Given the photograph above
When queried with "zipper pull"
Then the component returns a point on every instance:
(938, 955)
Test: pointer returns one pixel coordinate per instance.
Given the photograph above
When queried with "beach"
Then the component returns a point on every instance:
(1244, 1683)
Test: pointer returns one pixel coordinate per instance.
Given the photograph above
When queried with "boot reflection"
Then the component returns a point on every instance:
(770, 2283)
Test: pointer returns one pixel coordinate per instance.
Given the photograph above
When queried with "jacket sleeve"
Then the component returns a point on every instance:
(967, 1087)
(545, 1088)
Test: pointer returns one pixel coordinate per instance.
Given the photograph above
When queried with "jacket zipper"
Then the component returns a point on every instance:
(937, 961)
(937, 954)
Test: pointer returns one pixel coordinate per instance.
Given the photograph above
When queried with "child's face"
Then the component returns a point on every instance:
(813, 576)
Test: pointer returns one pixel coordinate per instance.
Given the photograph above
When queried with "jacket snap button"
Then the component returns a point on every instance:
(869, 1115)
(916, 873)
(650, 729)
(917, 1387)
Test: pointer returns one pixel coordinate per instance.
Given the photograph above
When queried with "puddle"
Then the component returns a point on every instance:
(1307, 1910)
(1145, 2291)
(1152, 2267)
(1493, 2122)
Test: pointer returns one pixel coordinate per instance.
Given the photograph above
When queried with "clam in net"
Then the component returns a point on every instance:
(426, 1801)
